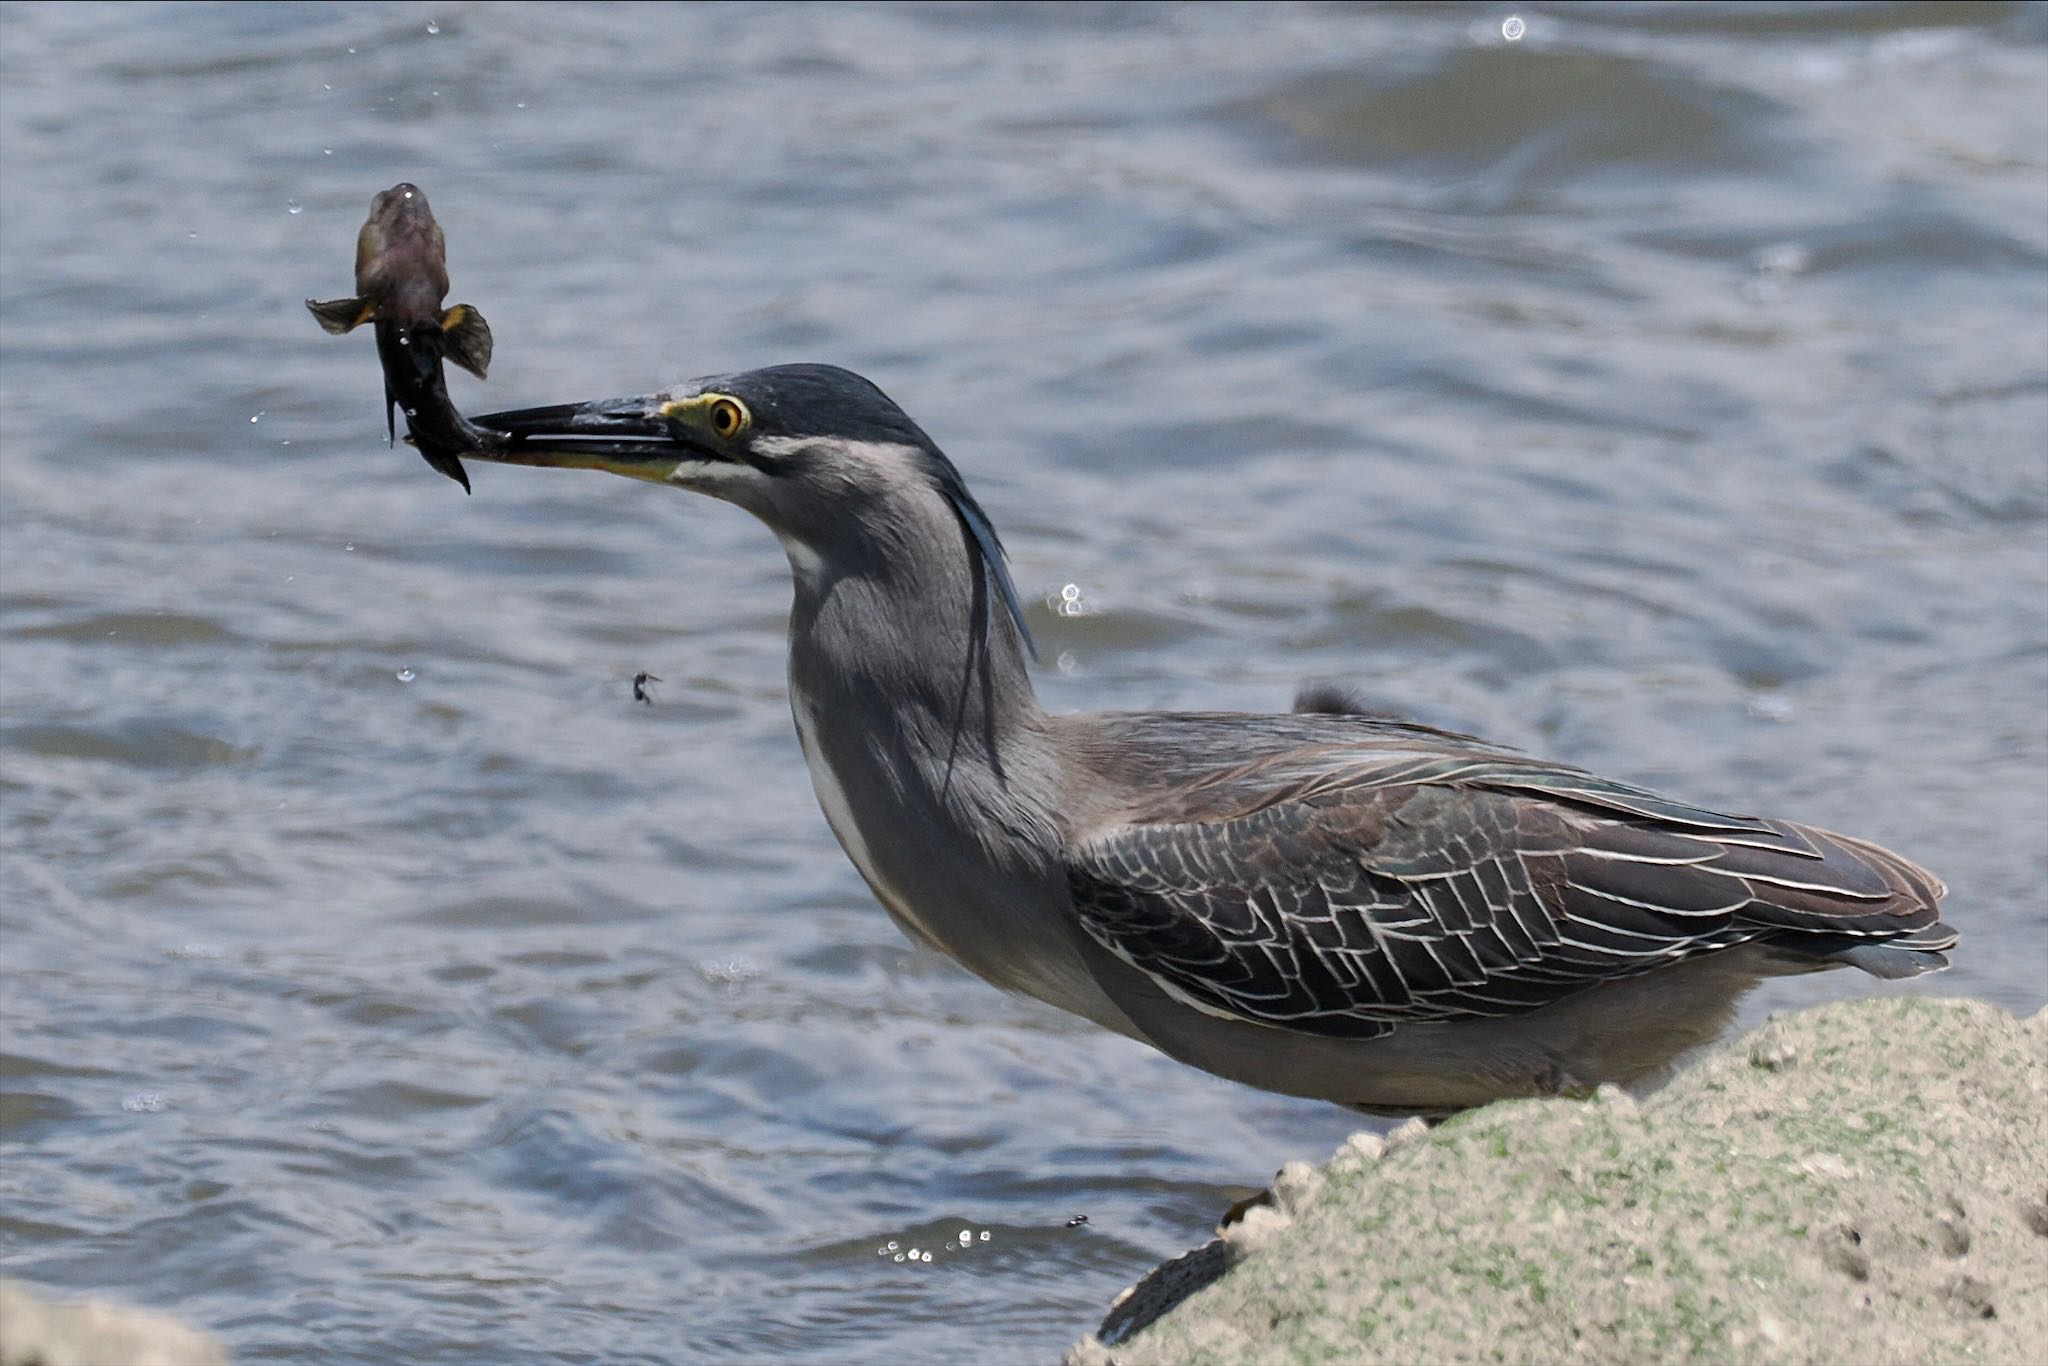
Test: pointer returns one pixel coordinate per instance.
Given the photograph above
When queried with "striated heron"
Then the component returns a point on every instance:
(1334, 905)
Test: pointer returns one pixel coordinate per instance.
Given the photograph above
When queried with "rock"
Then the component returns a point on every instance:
(39, 1332)
(1867, 1181)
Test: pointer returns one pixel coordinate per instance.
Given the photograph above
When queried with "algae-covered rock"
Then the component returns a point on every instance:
(1866, 1181)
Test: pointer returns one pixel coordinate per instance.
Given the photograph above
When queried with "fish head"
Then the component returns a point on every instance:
(401, 256)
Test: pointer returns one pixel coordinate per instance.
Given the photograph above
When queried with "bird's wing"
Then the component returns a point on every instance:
(1380, 889)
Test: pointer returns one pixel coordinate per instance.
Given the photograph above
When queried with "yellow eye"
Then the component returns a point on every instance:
(728, 418)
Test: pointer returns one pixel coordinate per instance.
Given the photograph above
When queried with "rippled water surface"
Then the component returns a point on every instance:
(1665, 391)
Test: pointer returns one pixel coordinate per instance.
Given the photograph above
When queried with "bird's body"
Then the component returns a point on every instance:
(1338, 906)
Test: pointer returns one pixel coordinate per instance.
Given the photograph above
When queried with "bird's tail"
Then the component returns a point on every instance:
(1896, 933)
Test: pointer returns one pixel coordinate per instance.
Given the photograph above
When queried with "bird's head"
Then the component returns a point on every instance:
(824, 457)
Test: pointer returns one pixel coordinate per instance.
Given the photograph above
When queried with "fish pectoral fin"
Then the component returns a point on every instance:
(469, 339)
(341, 315)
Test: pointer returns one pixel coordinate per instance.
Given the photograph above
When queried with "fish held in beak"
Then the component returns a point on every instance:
(401, 280)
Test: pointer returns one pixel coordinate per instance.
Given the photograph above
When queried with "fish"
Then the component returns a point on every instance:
(401, 279)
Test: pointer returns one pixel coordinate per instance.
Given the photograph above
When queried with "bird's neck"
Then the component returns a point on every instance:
(920, 662)
(929, 755)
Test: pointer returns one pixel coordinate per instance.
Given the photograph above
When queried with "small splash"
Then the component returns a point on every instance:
(349, 546)
(1771, 708)
(433, 27)
(144, 1103)
(258, 417)
(327, 151)
(1071, 602)
(520, 105)
(294, 206)
(406, 675)
(1512, 28)
(199, 951)
(1772, 270)
(732, 972)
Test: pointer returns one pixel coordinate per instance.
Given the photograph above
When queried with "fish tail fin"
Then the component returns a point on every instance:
(468, 339)
(341, 315)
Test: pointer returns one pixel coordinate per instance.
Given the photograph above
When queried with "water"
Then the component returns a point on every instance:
(1662, 391)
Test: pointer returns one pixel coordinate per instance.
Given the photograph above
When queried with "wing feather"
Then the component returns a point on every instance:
(1385, 889)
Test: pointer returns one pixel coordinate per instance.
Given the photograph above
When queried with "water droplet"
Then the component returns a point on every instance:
(406, 675)
(351, 52)
(913, 1254)
(294, 206)
(893, 1245)
(192, 236)
(433, 26)
(984, 1235)
(1066, 663)
(881, 1252)
(1077, 1221)
(350, 546)
(898, 1257)
(927, 1257)
(522, 104)
(286, 442)
(291, 578)
(966, 1236)
(1512, 28)
(258, 416)
(324, 86)
(143, 1103)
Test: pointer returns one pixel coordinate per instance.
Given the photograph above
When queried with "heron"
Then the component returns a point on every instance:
(1324, 903)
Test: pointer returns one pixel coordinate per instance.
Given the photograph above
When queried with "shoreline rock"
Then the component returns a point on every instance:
(1864, 1181)
(35, 1331)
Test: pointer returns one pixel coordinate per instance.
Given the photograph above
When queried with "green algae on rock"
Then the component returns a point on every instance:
(1866, 1181)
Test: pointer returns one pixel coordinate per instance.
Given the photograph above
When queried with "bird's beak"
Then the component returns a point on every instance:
(626, 436)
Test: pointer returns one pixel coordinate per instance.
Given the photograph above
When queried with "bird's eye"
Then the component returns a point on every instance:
(728, 418)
